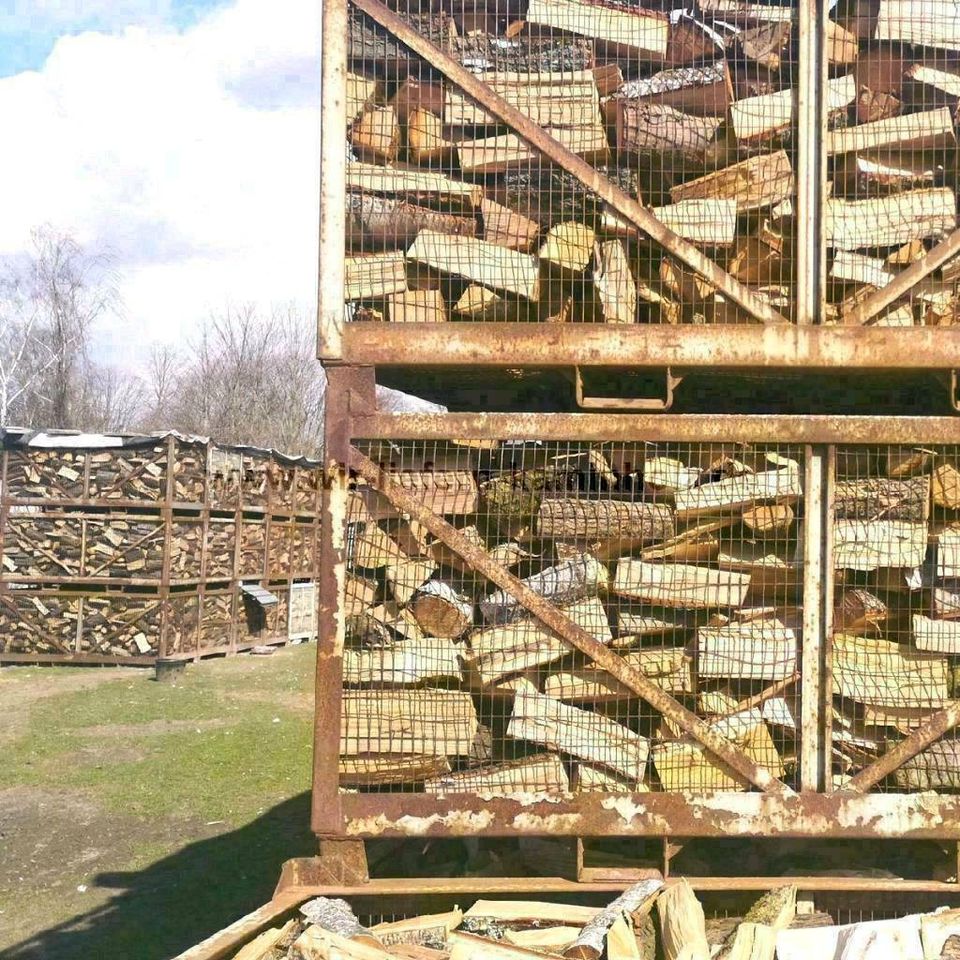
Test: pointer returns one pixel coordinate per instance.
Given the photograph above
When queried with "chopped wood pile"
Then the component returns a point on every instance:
(450, 215)
(649, 920)
(684, 560)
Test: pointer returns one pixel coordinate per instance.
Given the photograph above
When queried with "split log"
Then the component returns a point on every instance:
(377, 275)
(446, 492)
(442, 554)
(633, 626)
(476, 260)
(925, 23)
(878, 498)
(645, 32)
(702, 91)
(589, 778)
(550, 939)
(755, 650)
(859, 268)
(426, 140)
(734, 494)
(946, 81)
(416, 306)
(683, 930)
(669, 475)
(936, 636)
(416, 186)
(946, 486)
(568, 247)
(512, 648)
(372, 548)
(773, 519)
(754, 183)
(773, 912)
(890, 221)
(388, 223)
(881, 172)
(506, 228)
(508, 152)
(882, 673)
(635, 900)
(614, 283)
(477, 303)
(582, 734)
(766, 44)
(859, 611)
(518, 914)
(948, 553)
(403, 664)
(359, 594)
(868, 545)
(429, 723)
(376, 134)
(937, 929)
(361, 92)
(644, 127)
(441, 611)
(376, 770)
(485, 53)
(608, 77)
(756, 118)
(405, 577)
(684, 764)
(743, 11)
(936, 768)
(542, 773)
(262, 946)
(636, 520)
(370, 47)
(667, 667)
(930, 129)
(708, 222)
(566, 582)
(334, 916)
(431, 930)
(679, 585)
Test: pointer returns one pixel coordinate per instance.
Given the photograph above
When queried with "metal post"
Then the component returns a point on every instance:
(829, 579)
(810, 700)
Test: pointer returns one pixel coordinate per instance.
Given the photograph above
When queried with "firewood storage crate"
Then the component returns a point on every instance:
(578, 186)
(123, 549)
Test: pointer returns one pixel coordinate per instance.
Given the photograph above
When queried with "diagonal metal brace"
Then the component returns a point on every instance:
(620, 201)
(567, 630)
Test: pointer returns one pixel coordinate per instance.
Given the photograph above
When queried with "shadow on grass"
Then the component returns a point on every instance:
(183, 898)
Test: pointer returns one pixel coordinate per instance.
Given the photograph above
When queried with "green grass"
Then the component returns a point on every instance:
(223, 758)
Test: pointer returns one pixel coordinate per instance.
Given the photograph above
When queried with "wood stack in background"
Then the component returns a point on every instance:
(686, 560)
(138, 550)
(451, 216)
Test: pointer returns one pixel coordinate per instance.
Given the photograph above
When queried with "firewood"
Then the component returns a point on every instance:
(766, 44)
(601, 519)
(925, 23)
(262, 946)
(936, 768)
(702, 91)
(416, 186)
(859, 268)
(753, 183)
(937, 929)
(541, 773)
(946, 81)
(447, 492)
(590, 778)
(426, 140)
(551, 939)
(376, 275)
(948, 553)
(880, 672)
(442, 554)
(889, 221)
(773, 519)
(683, 764)
(759, 117)
(441, 611)
(405, 577)
(416, 306)
(635, 900)
(608, 77)
(373, 549)
(360, 94)
(430, 930)
(518, 914)
(868, 545)
(365, 770)
(568, 246)
(614, 282)
(773, 912)
(580, 733)
(506, 228)
(859, 611)
(645, 126)
(877, 498)
(740, 11)
(946, 487)
(476, 260)
(667, 667)
(407, 663)
(634, 626)
(524, 53)
(511, 648)
(506, 152)
(936, 636)
(931, 129)
(733, 494)
(385, 222)
(669, 475)
(432, 723)
(371, 47)
(566, 582)
(708, 222)
(359, 593)
(756, 650)
(679, 585)
(683, 932)
(645, 32)
(478, 303)
(376, 134)
(883, 171)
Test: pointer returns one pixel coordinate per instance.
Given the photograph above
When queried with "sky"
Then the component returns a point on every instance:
(179, 136)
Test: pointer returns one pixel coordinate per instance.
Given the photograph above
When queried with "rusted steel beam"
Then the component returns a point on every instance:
(567, 630)
(620, 201)
(874, 815)
(685, 428)
(651, 345)
(901, 285)
(932, 729)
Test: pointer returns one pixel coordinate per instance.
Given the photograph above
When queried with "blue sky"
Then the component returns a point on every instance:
(180, 136)
(30, 28)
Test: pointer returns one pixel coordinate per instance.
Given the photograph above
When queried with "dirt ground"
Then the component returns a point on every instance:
(137, 817)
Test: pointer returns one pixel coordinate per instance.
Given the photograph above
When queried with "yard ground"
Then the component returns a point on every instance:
(138, 817)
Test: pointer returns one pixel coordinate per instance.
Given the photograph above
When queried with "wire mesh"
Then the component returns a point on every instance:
(892, 166)
(692, 111)
(896, 632)
(685, 559)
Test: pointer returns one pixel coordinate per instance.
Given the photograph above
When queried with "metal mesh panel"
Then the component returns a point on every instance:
(892, 167)
(452, 216)
(686, 559)
(896, 636)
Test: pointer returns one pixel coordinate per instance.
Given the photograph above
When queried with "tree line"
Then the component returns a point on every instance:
(247, 375)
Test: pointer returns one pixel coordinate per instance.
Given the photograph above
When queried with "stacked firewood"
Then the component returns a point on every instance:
(686, 561)
(452, 216)
(649, 920)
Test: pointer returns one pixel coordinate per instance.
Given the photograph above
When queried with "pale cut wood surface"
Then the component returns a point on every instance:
(762, 650)
(543, 773)
(646, 31)
(881, 672)
(754, 183)
(679, 585)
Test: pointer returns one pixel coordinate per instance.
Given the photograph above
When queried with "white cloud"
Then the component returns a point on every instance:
(191, 155)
